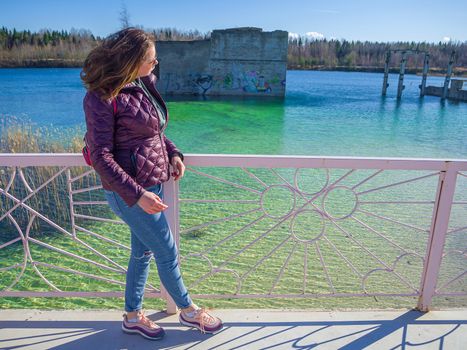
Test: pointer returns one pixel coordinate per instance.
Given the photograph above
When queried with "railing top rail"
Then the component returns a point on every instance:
(254, 161)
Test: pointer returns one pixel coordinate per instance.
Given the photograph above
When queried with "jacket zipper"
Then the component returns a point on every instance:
(161, 130)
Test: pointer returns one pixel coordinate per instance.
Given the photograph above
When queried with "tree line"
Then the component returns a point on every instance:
(342, 54)
(52, 48)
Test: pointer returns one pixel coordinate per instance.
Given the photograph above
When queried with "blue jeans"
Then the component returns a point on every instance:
(150, 235)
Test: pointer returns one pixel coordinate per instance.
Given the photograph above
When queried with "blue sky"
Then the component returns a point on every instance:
(374, 20)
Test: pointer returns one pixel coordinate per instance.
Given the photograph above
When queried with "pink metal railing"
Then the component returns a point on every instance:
(257, 180)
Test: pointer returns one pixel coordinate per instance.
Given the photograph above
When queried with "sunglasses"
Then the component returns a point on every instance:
(153, 61)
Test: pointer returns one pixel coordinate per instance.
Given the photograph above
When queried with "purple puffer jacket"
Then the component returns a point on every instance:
(129, 150)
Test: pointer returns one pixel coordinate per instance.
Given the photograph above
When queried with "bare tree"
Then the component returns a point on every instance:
(124, 16)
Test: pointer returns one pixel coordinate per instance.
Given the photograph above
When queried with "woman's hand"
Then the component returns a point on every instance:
(151, 203)
(178, 167)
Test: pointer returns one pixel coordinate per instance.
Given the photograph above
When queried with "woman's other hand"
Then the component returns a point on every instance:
(151, 203)
(178, 168)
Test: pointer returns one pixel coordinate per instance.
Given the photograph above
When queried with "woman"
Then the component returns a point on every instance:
(126, 118)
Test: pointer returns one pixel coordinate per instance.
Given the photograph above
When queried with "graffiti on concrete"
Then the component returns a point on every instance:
(203, 82)
(262, 85)
(249, 81)
(234, 61)
(173, 82)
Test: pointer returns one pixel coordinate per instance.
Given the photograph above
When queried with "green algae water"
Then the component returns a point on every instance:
(326, 113)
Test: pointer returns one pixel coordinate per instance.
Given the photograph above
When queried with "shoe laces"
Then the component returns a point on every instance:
(204, 319)
(144, 320)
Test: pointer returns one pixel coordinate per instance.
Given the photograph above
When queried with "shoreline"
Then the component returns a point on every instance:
(43, 63)
(77, 63)
(435, 71)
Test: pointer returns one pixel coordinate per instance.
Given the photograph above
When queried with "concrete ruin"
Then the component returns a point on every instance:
(455, 92)
(239, 61)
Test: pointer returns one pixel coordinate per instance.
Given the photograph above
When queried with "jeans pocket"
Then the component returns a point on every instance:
(113, 203)
(156, 189)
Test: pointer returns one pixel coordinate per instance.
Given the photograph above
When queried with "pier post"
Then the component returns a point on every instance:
(386, 73)
(401, 86)
(448, 76)
(426, 63)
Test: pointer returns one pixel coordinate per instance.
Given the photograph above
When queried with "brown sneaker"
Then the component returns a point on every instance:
(144, 326)
(202, 320)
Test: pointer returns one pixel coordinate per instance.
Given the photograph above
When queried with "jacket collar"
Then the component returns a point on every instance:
(149, 79)
(150, 82)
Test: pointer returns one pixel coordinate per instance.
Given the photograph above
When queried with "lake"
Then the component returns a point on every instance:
(323, 113)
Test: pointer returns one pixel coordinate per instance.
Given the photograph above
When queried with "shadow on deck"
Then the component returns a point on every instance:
(244, 329)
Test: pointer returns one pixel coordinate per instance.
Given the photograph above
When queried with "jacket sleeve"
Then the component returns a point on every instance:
(172, 150)
(100, 136)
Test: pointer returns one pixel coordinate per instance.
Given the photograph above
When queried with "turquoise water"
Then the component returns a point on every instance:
(323, 113)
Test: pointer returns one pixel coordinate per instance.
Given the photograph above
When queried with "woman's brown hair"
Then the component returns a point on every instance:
(116, 61)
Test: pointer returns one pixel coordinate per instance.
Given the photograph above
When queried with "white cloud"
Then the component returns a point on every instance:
(293, 35)
(446, 39)
(314, 35)
(308, 35)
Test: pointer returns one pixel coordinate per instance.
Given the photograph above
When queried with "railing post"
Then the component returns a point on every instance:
(437, 238)
(70, 197)
(170, 189)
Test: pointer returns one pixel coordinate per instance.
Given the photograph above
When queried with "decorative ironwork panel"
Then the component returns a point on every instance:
(282, 232)
(58, 234)
(246, 226)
